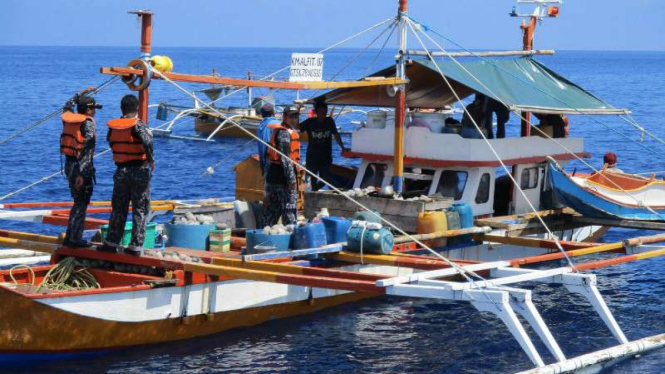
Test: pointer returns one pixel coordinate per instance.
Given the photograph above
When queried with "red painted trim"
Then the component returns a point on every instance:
(331, 283)
(118, 257)
(62, 220)
(464, 163)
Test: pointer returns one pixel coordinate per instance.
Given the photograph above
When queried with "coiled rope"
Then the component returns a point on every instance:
(68, 275)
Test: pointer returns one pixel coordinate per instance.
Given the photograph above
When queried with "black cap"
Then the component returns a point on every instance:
(88, 102)
(290, 110)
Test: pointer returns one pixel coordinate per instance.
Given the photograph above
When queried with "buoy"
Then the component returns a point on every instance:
(162, 64)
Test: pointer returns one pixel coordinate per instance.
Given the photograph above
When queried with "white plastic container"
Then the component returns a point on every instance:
(377, 119)
(435, 121)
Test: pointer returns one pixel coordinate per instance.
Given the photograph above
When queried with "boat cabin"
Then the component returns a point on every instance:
(460, 168)
(440, 159)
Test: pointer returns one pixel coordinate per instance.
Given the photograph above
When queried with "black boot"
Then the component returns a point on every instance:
(134, 250)
(78, 243)
(108, 247)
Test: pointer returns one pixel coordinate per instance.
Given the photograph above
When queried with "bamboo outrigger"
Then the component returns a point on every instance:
(182, 293)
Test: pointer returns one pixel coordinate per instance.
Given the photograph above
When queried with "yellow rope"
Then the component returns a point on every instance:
(32, 272)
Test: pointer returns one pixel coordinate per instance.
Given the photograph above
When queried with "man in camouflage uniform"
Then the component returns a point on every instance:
(131, 142)
(281, 188)
(77, 143)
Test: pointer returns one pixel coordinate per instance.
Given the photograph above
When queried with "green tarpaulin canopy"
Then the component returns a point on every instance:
(521, 83)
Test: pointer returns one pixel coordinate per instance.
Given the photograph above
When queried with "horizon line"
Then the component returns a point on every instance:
(315, 48)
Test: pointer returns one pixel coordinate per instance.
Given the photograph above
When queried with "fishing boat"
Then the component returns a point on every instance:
(501, 229)
(610, 194)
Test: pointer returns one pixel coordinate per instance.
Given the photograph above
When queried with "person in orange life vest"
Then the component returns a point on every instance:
(131, 143)
(77, 144)
(320, 132)
(281, 189)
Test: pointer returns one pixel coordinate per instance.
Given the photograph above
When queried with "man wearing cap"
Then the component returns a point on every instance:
(320, 132)
(268, 114)
(77, 144)
(281, 188)
(610, 159)
(131, 143)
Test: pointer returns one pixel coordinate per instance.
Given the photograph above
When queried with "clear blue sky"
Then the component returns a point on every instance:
(584, 24)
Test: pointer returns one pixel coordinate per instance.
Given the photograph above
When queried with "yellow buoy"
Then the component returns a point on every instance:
(162, 63)
(429, 222)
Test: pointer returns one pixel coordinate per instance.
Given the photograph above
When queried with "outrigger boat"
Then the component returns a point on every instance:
(182, 293)
(610, 194)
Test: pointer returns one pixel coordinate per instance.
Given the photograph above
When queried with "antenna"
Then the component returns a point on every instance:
(542, 9)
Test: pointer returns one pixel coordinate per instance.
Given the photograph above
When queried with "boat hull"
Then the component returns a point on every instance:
(593, 204)
(30, 329)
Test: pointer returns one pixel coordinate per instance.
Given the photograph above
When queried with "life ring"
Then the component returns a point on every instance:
(144, 79)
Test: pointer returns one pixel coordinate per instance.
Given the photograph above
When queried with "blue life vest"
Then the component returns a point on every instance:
(264, 133)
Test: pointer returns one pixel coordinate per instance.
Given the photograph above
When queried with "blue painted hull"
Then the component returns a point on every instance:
(589, 204)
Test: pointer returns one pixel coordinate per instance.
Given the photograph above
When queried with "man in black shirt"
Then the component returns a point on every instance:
(320, 131)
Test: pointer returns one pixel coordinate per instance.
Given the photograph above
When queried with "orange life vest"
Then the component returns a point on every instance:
(71, 139)
(125, 146)
(273, 156)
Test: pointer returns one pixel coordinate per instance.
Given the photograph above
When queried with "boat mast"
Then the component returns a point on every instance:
(400, 103)
(146, 49)
(528, 30)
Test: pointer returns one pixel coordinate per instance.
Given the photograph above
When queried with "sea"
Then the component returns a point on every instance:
(379, 336)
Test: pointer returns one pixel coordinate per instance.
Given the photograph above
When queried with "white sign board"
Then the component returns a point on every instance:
(306, 67)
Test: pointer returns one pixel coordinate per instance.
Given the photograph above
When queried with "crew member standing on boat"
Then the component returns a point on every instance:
(502, 116)
(610, 159)
(77, 143)
(264, 132)
(281, 188)
(320, 131)
(131, 143)
(474, 114)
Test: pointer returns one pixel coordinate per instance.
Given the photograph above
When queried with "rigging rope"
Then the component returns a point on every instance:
(508, 172)
(273, 74)
(530, 84)
(640, 203)
(464, 272)
(211, 169)
(37, 123)
(358, 54)
(44, 179)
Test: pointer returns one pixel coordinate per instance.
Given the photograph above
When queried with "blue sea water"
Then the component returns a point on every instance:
(383, 335)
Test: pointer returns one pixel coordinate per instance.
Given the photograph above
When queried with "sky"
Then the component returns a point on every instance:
(481, 24)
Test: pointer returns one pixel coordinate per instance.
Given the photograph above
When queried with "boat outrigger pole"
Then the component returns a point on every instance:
(400, 102)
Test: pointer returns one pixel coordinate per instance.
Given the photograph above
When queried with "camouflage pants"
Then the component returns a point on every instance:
(130, 183)
(81, 200)
(281, 202)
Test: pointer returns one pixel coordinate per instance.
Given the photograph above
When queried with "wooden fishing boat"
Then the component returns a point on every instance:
(610, 194)
(158, 297)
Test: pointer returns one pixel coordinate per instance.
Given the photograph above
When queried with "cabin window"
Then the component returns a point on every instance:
(374, 174)
(417, 181)
(529, 178)
(452, 183)
(483, 194)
